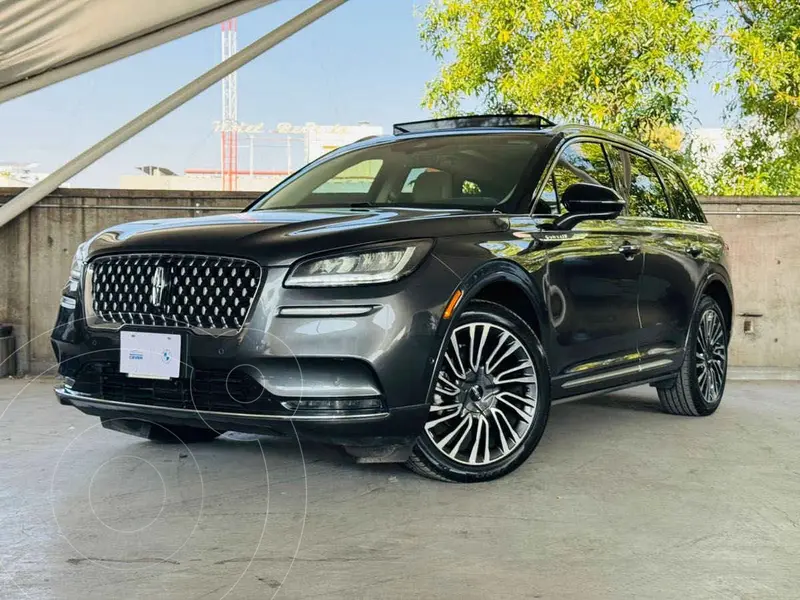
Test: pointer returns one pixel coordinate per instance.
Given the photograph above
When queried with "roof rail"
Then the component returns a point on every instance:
(522, 121)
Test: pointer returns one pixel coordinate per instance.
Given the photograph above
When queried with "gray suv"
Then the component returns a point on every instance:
(420, 297)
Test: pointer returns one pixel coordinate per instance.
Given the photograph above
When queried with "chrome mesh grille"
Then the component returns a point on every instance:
(178, 290)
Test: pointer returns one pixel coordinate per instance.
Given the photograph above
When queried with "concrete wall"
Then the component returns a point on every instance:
(36, 250)
(762, 234)
(256, 183)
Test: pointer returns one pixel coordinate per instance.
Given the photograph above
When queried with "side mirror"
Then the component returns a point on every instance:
(585, 201)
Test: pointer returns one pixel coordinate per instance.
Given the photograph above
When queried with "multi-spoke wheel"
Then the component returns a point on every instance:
(490, 398)
(698, 388)
(711, 356)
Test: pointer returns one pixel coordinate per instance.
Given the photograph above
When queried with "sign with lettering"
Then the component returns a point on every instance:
(288, 128)
(238, 127)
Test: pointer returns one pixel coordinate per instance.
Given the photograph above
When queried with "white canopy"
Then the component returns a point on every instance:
(28, 48)
(45, 41)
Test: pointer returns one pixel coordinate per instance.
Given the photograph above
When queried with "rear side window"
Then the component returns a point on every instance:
(646, 195)
(683, 202)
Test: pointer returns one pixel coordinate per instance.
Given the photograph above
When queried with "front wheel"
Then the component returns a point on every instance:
(490, 399)
(697, 390)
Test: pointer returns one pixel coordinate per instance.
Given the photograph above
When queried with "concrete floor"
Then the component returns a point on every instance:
(619, 501)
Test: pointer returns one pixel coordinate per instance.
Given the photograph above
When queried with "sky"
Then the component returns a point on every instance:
(362, 62)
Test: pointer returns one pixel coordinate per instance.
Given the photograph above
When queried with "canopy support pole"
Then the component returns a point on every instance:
(32, 195)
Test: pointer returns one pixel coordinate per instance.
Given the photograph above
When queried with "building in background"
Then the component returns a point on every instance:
(321, 139)
(161, 178)
(21, 174)
(296, 146)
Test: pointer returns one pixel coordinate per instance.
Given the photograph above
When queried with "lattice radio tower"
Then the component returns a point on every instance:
(229, 134)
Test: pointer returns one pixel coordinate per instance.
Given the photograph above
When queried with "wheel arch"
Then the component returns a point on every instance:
(500, 281)
(718, 288)
(506, 283)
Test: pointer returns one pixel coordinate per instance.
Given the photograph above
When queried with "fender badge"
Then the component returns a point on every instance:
(561, 237)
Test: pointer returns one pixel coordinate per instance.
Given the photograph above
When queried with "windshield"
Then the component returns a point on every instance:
(477, 172)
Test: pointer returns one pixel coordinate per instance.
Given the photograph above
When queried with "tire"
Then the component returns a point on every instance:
(693, 394)
(484, 432)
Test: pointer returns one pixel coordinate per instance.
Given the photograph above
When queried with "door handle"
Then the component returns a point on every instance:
(629, 250)
(694, 251)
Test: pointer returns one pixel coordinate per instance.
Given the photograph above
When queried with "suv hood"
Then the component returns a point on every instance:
(280, 237)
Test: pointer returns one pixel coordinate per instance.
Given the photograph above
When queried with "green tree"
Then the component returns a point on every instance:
(763, 42)
(618, 64)
(625, 65)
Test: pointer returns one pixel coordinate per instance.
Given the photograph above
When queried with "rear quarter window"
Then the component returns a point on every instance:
(685, 205)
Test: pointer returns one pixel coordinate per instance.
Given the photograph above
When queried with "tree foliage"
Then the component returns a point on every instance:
(626, 65)
(620, 64)
(763, 40)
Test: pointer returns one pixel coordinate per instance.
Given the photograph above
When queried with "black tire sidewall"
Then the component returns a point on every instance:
(432, 457)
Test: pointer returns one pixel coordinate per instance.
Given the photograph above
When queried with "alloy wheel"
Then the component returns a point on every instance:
(711, 356)
(485, 395)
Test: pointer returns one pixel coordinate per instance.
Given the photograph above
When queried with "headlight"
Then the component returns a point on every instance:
(78, 262)
(378, 264)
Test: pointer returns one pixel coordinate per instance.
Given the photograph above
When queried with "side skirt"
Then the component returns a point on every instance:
(616, 388)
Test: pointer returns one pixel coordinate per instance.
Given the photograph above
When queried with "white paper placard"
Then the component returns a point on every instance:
(150, 355)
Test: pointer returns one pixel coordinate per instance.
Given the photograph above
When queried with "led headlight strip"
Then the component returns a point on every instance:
(375, 264)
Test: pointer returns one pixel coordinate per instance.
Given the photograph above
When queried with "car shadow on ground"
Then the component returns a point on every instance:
(620, 401)
(591, 416)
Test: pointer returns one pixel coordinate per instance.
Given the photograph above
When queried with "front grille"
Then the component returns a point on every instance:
(179, 290)
(212, 390)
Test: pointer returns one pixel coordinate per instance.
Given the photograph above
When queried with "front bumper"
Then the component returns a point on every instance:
(384, 357)
(398, 426)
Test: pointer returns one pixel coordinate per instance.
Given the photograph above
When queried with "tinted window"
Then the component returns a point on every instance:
(548, 201)
(353, 180)
(582, 162)
(620, 168)
(411, 178)
(646, 196)
(470, 188)
(683, 203)
(460, 171)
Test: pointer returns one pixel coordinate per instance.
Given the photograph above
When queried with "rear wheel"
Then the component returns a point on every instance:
(490, 401)
(698, 388)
